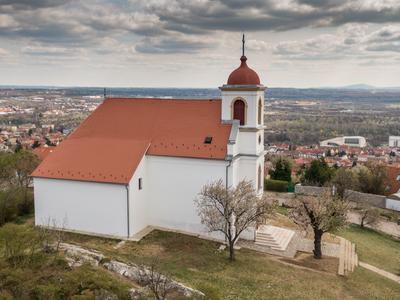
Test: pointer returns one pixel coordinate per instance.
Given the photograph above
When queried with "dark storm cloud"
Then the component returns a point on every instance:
(169, 45)
(257, 15)
(163, 26)
(30, 4)
(322, 3)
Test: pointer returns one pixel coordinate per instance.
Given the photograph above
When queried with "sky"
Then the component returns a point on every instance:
(197, 43)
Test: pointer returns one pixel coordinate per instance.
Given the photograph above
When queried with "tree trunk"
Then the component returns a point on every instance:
(231, 251)
(362, 222)
(317, 243)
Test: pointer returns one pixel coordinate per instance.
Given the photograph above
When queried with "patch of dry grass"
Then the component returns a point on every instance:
(199, 264)
(327, 264)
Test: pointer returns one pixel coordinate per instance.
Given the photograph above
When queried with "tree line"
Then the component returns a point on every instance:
(371, 178)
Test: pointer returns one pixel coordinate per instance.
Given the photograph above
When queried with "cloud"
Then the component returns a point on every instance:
(152, 23)
(7, 22)
(3, 52)
(273, 15)
(10, 5)
(51, 51)
(126, 33)
(170, 45)
(351, 42)
(257, 45)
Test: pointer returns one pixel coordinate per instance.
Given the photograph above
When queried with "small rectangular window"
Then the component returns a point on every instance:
(140, 183)
(208, 140)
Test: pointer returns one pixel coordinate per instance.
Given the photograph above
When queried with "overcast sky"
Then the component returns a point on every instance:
(197, 43)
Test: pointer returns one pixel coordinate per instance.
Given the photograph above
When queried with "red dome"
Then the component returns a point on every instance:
(243, 75)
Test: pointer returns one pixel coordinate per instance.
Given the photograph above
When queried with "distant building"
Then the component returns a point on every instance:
(352, 141)
(394, 141)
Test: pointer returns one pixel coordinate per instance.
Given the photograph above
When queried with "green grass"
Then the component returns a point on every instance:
(282, 210)
(197, 263)
(375, 248)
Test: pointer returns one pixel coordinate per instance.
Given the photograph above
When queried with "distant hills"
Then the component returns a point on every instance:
(361, 86)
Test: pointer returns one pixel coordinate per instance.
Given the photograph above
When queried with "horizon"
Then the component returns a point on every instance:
(359, 86)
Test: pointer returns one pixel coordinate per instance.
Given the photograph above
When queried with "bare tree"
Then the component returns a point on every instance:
(369, 215)
(159, 284)
(52, 235)
(231, 210)
(324, 213)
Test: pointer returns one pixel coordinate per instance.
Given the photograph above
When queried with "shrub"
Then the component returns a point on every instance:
(276, 185)
(281, 169)
(8, 207)
(18, 244)
(15, 202)
(317, 174)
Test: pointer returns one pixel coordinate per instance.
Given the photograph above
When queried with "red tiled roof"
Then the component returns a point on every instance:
(109, 144)
(393, 173)
(43, 152)
(243, 75)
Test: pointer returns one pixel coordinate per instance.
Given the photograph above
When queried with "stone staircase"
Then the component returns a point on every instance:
(348, 258)
(276, 238)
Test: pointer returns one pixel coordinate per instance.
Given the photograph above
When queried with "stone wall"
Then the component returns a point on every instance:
(374, 200)
(309, 190)
(371, 199)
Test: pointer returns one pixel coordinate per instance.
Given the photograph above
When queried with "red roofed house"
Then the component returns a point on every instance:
(135, 163)
(394, 178)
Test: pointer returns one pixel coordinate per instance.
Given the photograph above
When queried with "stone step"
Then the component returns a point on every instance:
(341, 257)
(267, 243)
(281, 236)
(274, 237)
(348, 258)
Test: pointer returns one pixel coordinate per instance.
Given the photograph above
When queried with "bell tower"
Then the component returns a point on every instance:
(243, 100)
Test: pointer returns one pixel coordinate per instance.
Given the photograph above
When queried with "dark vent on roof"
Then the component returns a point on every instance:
(208, 140)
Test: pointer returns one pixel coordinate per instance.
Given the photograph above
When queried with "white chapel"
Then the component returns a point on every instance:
(138, 163)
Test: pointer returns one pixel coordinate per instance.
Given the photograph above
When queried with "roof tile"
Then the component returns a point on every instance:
(109, 144)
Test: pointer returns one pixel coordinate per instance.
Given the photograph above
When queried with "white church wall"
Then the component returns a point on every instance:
(248, 166)
(249, 143)
(260, 142)
(138, 198)
(88, 207)
(235, 172)
(172, 187)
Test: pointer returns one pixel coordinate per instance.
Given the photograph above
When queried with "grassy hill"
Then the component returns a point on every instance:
(199, 264)
(192, 261)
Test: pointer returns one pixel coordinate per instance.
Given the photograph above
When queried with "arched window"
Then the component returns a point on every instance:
(260, 179)
(239, 108)
(260, 112)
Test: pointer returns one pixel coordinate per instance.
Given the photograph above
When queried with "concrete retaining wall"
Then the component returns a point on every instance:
(374, 200)
(309, 190)
(371, 199)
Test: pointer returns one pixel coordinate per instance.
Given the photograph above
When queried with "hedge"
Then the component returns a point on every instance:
(276, 185)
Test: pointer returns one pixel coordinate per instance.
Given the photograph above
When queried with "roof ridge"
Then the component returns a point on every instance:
(162, 99)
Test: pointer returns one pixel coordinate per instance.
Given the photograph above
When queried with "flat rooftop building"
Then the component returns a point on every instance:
(394, 141)
(351, 141)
